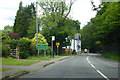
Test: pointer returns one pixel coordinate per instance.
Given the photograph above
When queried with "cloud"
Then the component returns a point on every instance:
(8, 9)
(81, 10)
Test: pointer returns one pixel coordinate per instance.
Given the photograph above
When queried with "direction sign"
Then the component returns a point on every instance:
(42, 46)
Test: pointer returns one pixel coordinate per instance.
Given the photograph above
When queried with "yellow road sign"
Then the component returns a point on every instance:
(57, 44)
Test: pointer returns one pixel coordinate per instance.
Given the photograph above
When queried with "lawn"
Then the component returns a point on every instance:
(5, 69)
(11, 61)
(41, 57)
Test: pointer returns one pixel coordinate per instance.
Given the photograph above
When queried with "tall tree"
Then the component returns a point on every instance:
(105, 33)
(23, 18)
(55, 21)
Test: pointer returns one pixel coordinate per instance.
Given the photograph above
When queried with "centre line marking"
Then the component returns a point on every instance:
(96, 69)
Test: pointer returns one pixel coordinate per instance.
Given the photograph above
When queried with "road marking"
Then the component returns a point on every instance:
(96, 69)
(93, 66)
(102, 75)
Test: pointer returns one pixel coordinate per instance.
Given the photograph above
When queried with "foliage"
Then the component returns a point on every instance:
(55, 21)
(5, 37)
(23, 19)
(112, 55)
(41, 39)
(13, 35)
(31, 28)
(5, 51)
(103, 28)
(56, 12)
(24, 44)
(7, 29)
(49, 50)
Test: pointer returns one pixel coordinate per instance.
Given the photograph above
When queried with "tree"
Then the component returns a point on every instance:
(106, 30)
(7, 29)
(41, 39)
(23, 19)
(55, 21)
(56, 12)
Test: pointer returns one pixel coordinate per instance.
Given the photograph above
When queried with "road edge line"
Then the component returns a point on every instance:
(97, 69)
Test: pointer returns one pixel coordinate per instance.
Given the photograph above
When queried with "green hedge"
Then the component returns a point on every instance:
(5, 51)
(24, 45)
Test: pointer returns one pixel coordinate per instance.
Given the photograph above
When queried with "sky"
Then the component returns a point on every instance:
(81, 10)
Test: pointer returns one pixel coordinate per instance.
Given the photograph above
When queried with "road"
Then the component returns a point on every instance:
(81, 66)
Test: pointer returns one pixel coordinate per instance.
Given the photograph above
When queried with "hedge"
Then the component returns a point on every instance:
(24, 45)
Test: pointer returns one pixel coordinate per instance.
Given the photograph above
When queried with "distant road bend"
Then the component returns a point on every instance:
(87, 66)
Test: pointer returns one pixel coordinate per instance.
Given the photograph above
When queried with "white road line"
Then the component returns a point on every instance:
(96, 69)
(93, 66)
(102, 75)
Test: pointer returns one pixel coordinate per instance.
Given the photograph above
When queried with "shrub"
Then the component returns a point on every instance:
(25, 49)
(5, 51)
(49, 50)
(5, 37)
(41, 39)
(13, 35)
(24, 45)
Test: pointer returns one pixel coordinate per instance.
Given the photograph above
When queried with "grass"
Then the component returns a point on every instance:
(41, 57)
(68, 54)
(113, 56)
(5, 69)
(11, 61)
(20, 72)
(8, 76)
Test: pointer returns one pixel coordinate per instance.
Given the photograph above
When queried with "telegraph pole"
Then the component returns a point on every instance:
(37, 23)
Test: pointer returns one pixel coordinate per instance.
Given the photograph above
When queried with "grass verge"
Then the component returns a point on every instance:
(5, 69)
(8, 76)
(41, 57)
(11, 61)
(113, 56)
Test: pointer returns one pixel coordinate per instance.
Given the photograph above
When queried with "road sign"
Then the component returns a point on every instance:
(57, 44)
(53, 38)
(41, 46)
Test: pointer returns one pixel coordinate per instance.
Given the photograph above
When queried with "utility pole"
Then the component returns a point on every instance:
(37, 23)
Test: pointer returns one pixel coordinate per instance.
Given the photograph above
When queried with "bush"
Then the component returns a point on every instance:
(5, 37)
(5, 51)
(13, 35)
(48, 50)
(24, 46)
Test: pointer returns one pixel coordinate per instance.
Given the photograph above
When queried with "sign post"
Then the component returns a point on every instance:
(42, 47)
(57, 44)
(53, 38)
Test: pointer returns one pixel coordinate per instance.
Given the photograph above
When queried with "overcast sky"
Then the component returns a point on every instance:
(81, 10)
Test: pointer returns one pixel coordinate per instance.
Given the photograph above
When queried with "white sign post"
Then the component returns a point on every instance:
(53, 39)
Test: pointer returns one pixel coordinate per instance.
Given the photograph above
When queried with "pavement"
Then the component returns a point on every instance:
(30, 68)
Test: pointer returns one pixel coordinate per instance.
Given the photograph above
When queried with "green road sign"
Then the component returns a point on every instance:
(41, 46)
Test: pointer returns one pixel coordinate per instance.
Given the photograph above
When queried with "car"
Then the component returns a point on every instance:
(85, 50)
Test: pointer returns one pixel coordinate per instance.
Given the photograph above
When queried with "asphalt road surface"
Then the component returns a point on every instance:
(87, 66)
